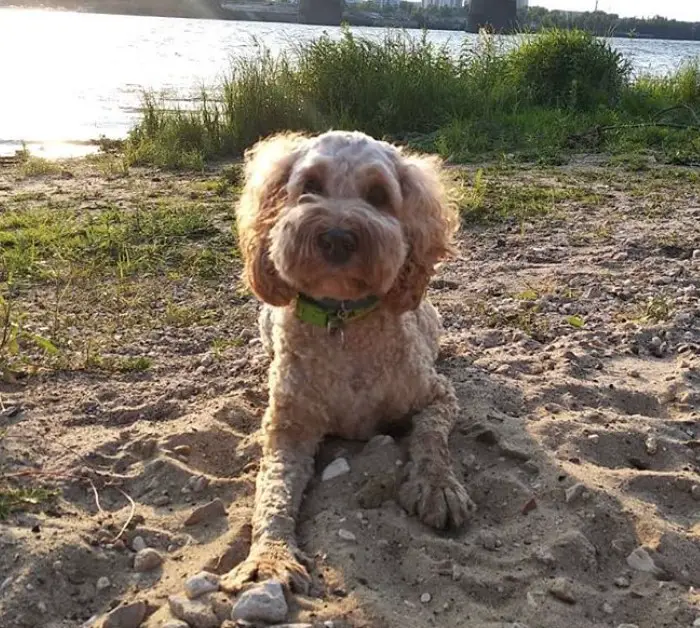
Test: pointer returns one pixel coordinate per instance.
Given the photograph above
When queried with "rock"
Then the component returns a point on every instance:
(695, 492)
(696, 623)
(103, 583)
(425, 598)
(161, 500)
(574, 492)
(489, 540)
(335, 469)
(651, 444)
(175, 623)
(5, 584)
(195, 613)
(346, 535)
(640, 560)
(264, 603)
(221, 604)
(376, 442)
(147, 560)
(628, 626)
(562, 589)
(623, 582)
(128, 616)
(608, 608)
(200, 584)
(209, 511)
(138, 544)
(198, 483)
(182, 450)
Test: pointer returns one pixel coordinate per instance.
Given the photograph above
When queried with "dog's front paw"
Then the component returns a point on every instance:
(271, 560)
(437, 497)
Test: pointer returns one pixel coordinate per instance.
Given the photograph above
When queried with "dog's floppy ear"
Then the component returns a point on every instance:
(429, 222)
(267, 168)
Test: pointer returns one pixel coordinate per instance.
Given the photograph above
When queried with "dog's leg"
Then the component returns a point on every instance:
(432, 490)
(286, 468)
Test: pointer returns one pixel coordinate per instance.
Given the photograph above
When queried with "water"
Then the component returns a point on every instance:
(67, 78)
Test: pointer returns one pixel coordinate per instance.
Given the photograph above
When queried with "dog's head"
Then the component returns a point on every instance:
(342, 216)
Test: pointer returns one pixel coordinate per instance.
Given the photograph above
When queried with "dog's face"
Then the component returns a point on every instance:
(341, 216)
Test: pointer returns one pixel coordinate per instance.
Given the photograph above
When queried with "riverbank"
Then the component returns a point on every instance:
(134, 381)
(547, 97)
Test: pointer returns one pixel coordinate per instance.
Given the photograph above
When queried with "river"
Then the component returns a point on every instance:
(66, 78)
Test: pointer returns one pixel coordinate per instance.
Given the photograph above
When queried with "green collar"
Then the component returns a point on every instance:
(330, 313)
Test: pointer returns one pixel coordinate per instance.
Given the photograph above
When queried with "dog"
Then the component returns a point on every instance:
(340, 234)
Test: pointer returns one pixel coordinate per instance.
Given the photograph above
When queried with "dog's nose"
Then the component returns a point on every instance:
(337, 245)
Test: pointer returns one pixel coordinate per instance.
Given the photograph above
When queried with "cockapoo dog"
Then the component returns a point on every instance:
(340, 234)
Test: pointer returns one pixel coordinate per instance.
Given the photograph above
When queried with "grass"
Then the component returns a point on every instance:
(554, 94)
(16, 499)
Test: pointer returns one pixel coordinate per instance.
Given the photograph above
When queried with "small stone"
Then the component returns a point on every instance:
(161, 500)
(696, 254)
(608, 608)
(175, 623)
(200, 584)
(575, 492)
(182, 450)
(640, 560)
(346, 535)
(628, 626)
(138, 544)
(696, 623)
(198, 483)
(529, 506)
(147, 560)
(695, 492)
(193, 612)
(376, 442)
(623, 582)
(41, 606)
(264, 603)
(103, 583)
(5, 584)
(489, 540)
(209, 511)
(128, 616)
(562, 589)
(425, 598)
(335, 469)
(651, 444)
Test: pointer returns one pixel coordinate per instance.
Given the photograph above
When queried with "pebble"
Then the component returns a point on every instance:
(562, 589)
(175, 623)
(103, 583)
(608, 608)
(628, 626)
(489, 540)
(623, 582)
(147, 560)
(5, 584)
(696, 623)
(335, 469)
(41, 606)
(209, 511)
(197, 483)
(161, 500)
(265, 603)
(203, 582)
(574, 492)
(425, 598)
(651, 444)
(128, 616)
(182, 450)
(695, 492)
(640, 560)
(194, 613)
(138, 544)
(346, 535)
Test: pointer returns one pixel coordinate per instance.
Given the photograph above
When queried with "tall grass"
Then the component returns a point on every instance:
(537, 99)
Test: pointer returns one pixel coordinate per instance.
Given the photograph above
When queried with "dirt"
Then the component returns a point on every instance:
(572, 337)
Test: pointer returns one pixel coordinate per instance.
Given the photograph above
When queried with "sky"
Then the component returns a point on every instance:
(677, 9)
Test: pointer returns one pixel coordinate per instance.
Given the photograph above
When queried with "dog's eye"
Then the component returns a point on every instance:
(377, 196)
(313, 186)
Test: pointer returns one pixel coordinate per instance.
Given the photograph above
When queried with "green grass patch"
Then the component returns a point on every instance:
(177, 234)
(18, 499)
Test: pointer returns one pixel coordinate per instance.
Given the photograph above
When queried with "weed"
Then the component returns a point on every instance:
(16, 499)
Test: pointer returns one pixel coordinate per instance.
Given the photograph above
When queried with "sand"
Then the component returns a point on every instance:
(572, 337)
